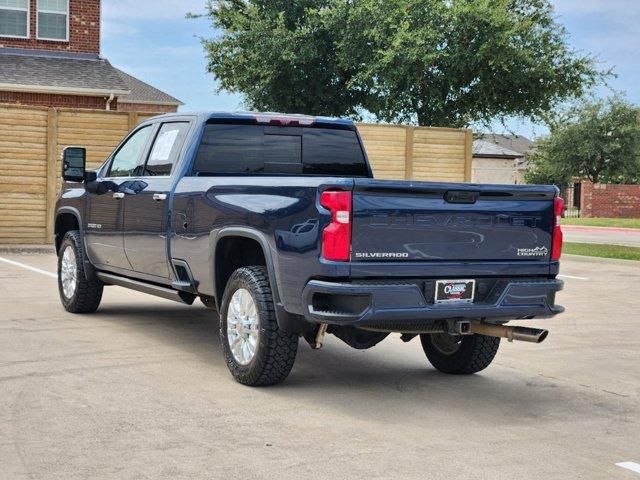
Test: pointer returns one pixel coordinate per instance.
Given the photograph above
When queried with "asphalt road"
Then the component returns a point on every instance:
(604, 235)
(140, 391)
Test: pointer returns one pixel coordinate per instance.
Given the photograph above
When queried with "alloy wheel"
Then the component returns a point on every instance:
(242, 326)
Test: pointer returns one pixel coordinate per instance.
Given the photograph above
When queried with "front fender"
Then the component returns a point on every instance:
(88, 266)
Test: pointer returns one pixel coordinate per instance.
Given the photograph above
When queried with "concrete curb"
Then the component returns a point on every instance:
(599, 260)
(590, 228)
(21, 249)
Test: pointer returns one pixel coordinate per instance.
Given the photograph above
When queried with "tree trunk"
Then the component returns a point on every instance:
(423, 119)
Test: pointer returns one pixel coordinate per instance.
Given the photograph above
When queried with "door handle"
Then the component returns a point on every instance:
(159, 197)
(118, 196)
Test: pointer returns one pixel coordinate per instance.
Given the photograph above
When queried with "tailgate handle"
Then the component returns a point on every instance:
(461, 196)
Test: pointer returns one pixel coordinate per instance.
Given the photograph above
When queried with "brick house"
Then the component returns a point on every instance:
(50, 56)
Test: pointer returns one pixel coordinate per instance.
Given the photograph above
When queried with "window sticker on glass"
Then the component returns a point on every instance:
(164, 145)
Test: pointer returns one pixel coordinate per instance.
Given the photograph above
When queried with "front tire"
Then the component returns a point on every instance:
(78, 293)
(465, 354)
(257, 353)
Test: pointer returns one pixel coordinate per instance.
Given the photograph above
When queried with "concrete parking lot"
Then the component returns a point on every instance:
(139, 390)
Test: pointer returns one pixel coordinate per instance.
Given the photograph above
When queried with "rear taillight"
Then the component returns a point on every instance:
(556, 245)
(336, 237)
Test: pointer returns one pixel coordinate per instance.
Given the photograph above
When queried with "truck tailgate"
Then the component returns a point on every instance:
(402, 221)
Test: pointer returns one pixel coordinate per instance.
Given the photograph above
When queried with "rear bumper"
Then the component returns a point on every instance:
(392, 304)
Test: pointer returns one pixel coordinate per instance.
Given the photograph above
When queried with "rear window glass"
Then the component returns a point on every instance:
(257, 150)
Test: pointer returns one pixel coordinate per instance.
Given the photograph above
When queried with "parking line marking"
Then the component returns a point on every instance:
(572, 277)
(27, 267)
(633, 466)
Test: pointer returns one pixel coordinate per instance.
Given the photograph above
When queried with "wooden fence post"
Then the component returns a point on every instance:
(468, 155)
(52, 170)
(408, 153)
(133, 120)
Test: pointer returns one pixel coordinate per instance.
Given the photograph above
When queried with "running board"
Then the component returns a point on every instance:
(150, 288)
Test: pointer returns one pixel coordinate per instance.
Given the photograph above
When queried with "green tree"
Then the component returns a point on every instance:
(597, 140)
(282, 56)
(430, 62)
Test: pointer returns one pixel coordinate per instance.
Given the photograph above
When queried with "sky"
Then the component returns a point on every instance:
(152, 40)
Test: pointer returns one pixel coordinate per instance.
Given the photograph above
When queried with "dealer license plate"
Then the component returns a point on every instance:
(455, 291)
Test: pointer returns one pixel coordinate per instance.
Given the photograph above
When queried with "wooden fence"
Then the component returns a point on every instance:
(418, 153)
(32, 140)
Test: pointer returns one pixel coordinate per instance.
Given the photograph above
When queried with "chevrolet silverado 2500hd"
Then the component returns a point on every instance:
(277, 222)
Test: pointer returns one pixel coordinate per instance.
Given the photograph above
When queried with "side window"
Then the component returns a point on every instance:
(127, 160)
(166, 148)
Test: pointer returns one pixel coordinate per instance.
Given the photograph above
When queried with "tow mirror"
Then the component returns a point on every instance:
(74, 160)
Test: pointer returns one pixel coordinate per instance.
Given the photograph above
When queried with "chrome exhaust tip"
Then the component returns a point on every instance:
(522, 334)
(533, 335)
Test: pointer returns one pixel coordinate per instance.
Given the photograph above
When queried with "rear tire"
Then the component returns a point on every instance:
(460, 355)
(78, 293)
(257, 353)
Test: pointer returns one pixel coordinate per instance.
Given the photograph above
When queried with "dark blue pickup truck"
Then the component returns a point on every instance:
(276, 222)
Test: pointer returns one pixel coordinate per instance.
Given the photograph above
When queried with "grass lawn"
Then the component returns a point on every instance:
(603, 222)
(604, 251)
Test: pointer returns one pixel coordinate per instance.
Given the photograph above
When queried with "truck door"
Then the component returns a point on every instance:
(146, 213)
(105, 202)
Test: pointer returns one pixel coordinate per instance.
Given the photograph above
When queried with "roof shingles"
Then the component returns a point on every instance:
(517, 143)
(64, 73)
(482, 148)
(76, 74)
(142, 92)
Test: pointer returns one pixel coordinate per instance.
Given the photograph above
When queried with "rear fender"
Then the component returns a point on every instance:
(287, 322)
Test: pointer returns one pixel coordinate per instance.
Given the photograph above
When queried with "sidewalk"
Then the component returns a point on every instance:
(603, 235)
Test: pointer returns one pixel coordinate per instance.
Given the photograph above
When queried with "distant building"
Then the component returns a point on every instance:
(500, 158)
(50, 56)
